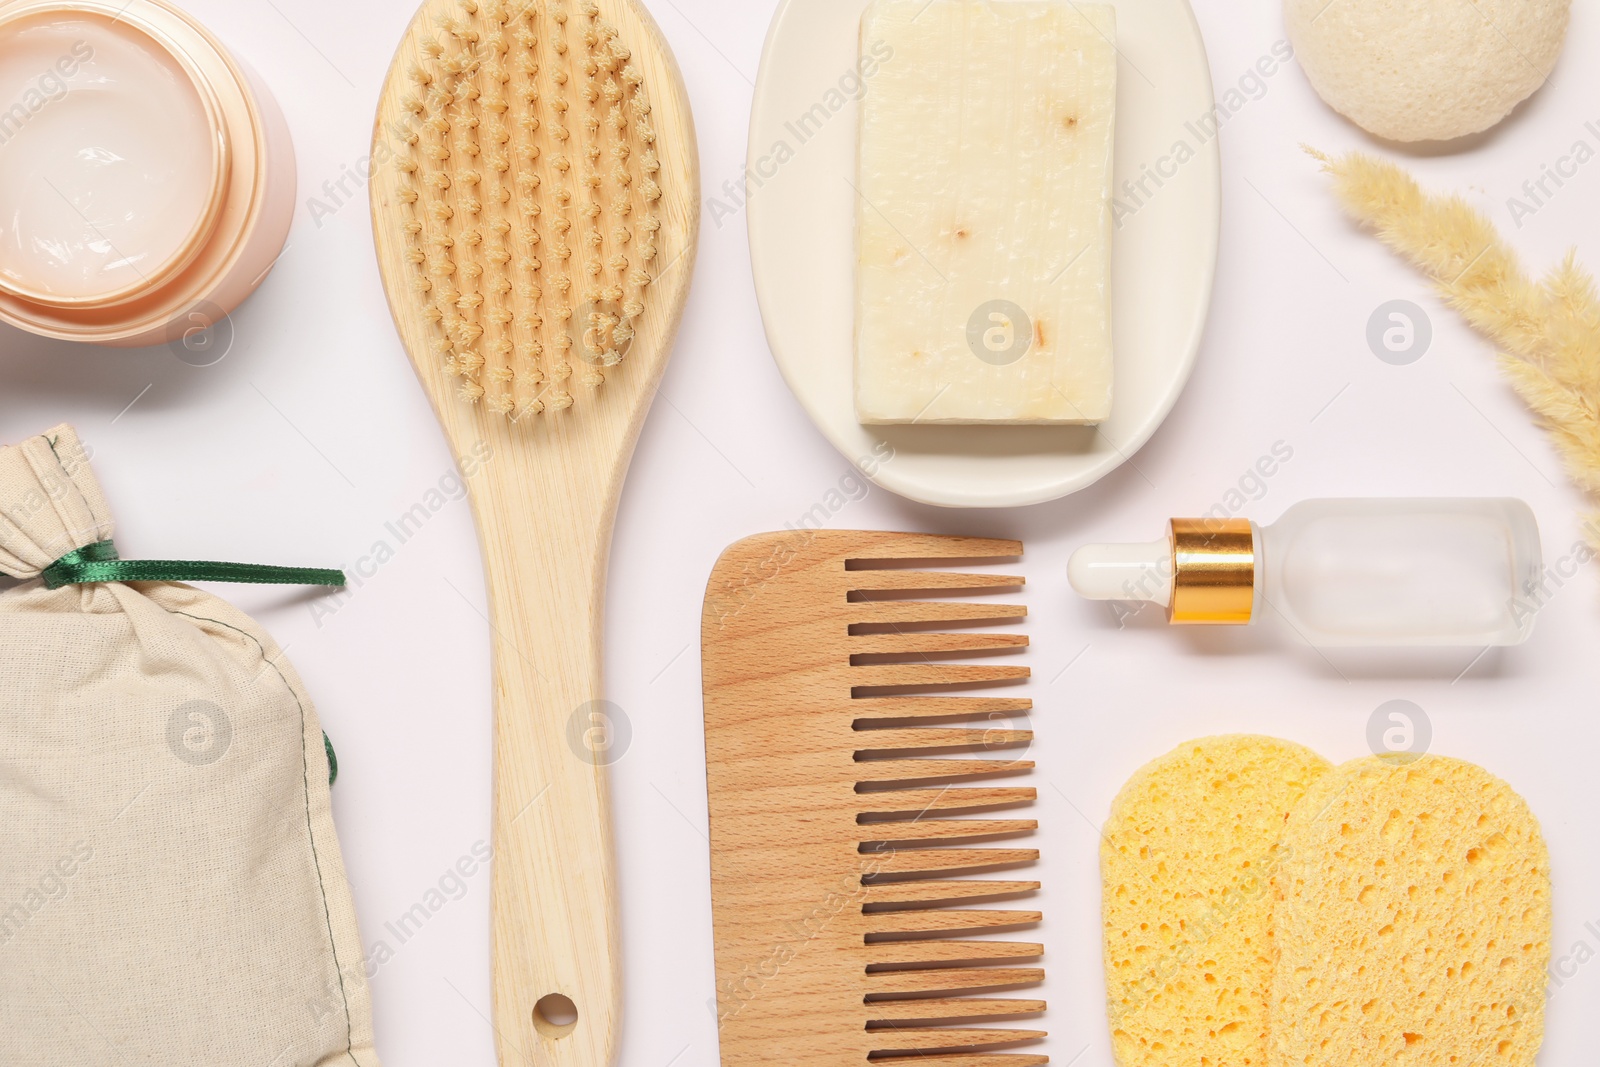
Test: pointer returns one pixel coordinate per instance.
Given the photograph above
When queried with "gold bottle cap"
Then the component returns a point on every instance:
(1213, 572)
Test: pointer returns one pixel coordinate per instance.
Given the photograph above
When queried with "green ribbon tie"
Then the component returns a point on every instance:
(100, 563)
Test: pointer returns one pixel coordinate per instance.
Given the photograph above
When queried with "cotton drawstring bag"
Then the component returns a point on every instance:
(172, 892)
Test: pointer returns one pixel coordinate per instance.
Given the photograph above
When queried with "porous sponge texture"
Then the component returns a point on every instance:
(1426, 70)
(1187, 858)
(1412, 921)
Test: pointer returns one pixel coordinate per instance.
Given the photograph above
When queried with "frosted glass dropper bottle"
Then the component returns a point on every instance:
(1340, 572)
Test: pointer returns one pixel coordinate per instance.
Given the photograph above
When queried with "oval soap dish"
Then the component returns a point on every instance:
(802, 209)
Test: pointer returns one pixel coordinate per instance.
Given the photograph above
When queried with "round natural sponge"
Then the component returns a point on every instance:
(1426, 70)
(1411, 921)
(1187, 859)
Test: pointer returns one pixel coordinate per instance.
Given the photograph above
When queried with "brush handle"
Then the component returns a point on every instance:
(546, 534)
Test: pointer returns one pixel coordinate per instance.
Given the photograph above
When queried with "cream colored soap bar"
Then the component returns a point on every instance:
(984, 214)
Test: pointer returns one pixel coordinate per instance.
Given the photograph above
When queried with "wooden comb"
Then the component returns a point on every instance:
(848, 920)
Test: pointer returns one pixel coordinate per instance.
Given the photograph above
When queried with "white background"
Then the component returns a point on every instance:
(312, 434)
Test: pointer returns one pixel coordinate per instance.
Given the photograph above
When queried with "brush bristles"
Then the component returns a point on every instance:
(532, 177)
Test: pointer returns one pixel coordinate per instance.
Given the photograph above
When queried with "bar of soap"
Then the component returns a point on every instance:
(984, 213)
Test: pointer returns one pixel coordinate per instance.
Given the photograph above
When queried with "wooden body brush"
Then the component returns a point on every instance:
(535, 205)
(848, 925)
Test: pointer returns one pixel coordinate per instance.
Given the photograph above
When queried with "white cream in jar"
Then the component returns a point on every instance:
(107, 158)
(145, 175)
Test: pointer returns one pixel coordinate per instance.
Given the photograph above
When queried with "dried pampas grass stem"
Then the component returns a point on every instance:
(1548, 332)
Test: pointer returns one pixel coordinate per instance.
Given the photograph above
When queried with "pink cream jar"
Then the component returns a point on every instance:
(147, 178)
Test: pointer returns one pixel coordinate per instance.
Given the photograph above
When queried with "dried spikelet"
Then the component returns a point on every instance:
(1548, 332)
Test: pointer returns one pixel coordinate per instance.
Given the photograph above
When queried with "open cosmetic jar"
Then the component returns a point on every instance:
(147, 178)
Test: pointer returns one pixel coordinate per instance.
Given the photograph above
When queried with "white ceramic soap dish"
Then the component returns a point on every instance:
(802, 210)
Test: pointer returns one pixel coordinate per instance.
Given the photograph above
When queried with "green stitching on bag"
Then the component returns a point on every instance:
(311, 834)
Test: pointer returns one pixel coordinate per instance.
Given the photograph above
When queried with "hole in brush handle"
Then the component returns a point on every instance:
(555, 1015)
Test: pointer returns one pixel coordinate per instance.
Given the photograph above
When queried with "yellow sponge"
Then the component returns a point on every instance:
(1412, 921)
(1187, 859)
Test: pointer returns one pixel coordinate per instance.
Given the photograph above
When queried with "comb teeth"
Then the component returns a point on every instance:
(897, 1013)
(919, 955)
(493, 85)
(913, 833)
(893, 773)
(907, 742)
(973, 1060)
(918, 802)
(917, 951)
(881, 899)
(921, 863)
(930, 923)
(889, 616)
(950, 981)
